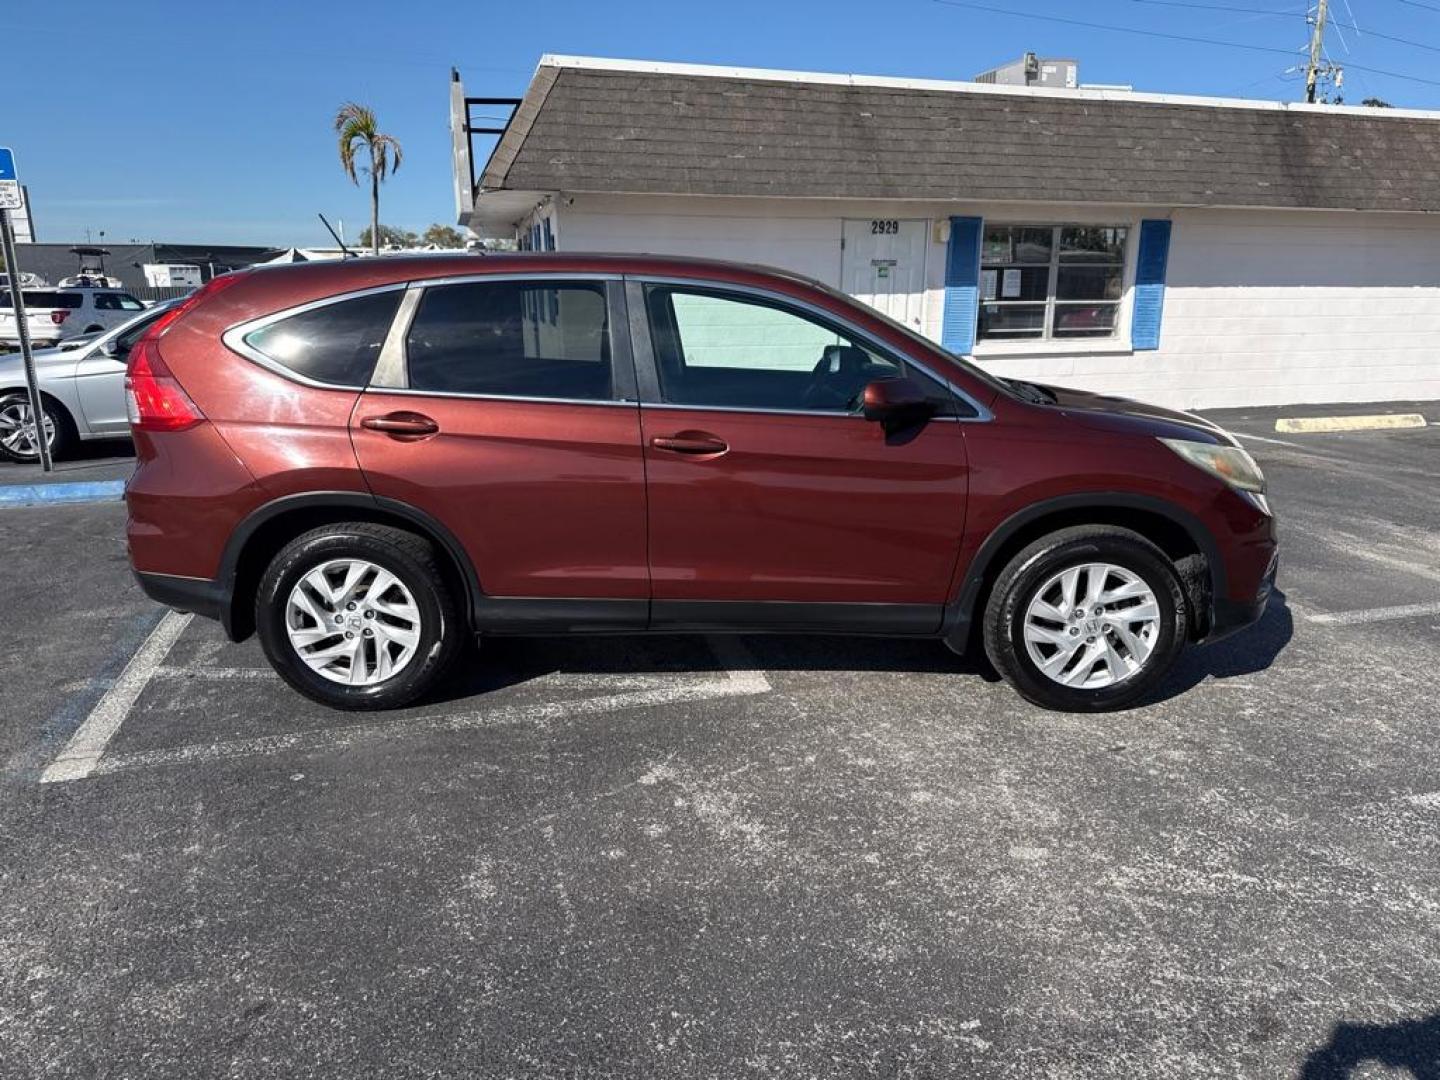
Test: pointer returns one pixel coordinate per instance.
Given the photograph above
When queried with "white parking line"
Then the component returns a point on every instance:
(85, 748)
(1263, 438)
(1379, 614)
(85, 755)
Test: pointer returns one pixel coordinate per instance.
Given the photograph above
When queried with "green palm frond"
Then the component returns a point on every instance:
(359, 131)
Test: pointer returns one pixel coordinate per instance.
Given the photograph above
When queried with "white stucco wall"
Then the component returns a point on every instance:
(1261, 308)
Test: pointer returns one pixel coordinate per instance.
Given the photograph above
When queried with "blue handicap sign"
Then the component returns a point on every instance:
(7, 164)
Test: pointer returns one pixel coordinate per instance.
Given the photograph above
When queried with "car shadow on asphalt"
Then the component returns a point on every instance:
(1355, 1049)
(508, 662)
(511, 662)
(1251, 650)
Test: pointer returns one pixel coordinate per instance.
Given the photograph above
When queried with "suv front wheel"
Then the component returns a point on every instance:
(1086, 619)
(358, 616)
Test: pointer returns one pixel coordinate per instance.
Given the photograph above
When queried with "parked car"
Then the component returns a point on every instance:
(365, 462)
(55, 315)
(82, 384)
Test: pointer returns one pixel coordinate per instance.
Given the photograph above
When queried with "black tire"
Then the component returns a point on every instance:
(412, 560)
(1028, 571)
(64, 434)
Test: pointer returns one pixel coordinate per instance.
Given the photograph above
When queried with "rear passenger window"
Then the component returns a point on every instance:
(336, 343)
(512, 339)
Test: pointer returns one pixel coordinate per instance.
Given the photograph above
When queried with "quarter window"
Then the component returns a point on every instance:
(722, 350)
(1044, 281)
(336, 344)
(512, 339)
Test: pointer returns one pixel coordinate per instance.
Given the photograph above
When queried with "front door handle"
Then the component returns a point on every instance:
(690, 442)
(402, 425)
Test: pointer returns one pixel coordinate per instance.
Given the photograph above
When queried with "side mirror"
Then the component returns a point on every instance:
(896, 403)
(112, 349)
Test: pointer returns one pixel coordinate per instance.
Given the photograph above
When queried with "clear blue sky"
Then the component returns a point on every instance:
(210, 120)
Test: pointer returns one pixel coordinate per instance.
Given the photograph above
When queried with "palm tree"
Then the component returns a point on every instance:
(358, 129)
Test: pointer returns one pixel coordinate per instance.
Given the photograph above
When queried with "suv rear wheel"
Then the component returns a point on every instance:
(358, 616)
(1086, 619)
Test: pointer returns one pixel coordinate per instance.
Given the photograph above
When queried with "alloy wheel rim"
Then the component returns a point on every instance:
(1092, 626)
(352, 621)
(17, 429)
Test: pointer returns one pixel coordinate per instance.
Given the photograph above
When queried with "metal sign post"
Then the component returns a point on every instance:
(11, 198)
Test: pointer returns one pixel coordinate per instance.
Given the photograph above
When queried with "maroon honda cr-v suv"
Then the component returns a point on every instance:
(368, 462)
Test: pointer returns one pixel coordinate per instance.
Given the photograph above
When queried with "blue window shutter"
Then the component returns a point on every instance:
(962, 285)
(1150, 284)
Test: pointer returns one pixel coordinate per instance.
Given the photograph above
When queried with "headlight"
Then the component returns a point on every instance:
(1228, 463)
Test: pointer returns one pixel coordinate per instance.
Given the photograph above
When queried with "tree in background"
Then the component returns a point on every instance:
(1377, 103)
(359, 131)
(389, 237)
(443, 236)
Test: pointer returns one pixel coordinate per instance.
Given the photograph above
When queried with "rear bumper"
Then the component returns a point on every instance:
(199, 596)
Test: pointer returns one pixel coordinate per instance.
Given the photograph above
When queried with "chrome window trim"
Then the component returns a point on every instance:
(234, 338)
(623, 402)
(838, 414)
(982, 414)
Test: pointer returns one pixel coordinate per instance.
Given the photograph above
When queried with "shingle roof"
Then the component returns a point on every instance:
(617, 129)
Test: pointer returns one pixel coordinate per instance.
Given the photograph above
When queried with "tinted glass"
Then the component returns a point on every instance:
(337, 343)
(1006, 244)
(717, 349)
(35, 298)
(1092, 243)
(129, 303)
(125, 340)
(512, 339)
(1085, 320)
(1088, 283)
(1012, 320)
(107, 302)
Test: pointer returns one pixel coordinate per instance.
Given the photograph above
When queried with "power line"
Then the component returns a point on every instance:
(1218, 7)
(1293, 12)
(1422, 6)
(1117, 29)
(1178, 37)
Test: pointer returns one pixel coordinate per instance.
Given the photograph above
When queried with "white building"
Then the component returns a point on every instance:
(1194, 252)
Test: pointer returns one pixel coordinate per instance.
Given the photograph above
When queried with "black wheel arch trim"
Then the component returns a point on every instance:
(959, 613)
(360, 500)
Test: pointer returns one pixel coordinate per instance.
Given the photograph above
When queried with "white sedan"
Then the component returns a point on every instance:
(82, 390)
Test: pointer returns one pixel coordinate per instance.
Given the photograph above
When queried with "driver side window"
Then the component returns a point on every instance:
(716, 349)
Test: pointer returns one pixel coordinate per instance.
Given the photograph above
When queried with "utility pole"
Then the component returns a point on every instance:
(1317, 45)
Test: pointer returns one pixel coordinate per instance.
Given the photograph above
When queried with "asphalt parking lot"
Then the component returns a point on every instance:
(769, 857)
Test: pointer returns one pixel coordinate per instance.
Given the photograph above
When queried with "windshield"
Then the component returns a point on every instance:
(43, 298)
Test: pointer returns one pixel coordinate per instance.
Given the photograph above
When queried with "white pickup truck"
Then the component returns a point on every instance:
(56, 315)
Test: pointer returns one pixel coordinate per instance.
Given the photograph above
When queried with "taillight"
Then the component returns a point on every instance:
(59, 315)
(154, 400)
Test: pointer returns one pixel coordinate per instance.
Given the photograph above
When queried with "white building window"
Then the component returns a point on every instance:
(1040, 282)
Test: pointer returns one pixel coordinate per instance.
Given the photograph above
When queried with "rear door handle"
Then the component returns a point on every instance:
(690, 443)
(402, 425)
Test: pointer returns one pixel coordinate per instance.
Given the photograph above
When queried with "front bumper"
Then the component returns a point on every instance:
(1231, 616)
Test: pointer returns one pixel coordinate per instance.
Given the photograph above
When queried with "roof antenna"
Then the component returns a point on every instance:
(348, 253)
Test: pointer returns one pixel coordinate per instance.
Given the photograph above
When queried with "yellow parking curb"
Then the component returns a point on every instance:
(1302, 424)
